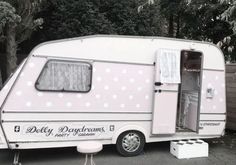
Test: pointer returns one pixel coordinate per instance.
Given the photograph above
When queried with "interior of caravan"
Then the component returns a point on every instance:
(189, 92)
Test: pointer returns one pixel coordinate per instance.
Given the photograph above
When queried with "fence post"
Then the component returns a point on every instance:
(231, 96)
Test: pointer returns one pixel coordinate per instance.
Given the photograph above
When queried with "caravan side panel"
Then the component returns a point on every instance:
(120, 95)
(213, 103)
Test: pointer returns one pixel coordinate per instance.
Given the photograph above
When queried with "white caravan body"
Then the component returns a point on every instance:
(121, 88)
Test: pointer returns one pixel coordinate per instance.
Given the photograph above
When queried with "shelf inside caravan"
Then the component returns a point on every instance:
(192, 70)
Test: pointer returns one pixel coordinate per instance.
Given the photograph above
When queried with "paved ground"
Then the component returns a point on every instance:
(222, 152)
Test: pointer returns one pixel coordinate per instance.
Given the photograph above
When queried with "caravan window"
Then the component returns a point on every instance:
(65, 76)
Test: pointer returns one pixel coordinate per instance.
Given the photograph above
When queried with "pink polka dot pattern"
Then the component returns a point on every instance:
(115, 87)
(214, 80)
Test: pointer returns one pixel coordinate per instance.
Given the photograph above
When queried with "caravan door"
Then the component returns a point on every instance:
(167, 79)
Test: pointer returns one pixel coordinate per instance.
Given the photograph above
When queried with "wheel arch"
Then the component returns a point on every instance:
(129, 128)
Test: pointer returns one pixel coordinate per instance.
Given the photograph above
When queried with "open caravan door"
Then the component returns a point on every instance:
(167, 79)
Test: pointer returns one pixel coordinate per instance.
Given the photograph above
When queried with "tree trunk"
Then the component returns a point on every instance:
(3, 72)
(171, 26)
(178, 27)
(0, 80)
(11, 47)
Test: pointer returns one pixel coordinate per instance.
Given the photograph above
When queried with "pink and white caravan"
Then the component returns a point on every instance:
(118, 90)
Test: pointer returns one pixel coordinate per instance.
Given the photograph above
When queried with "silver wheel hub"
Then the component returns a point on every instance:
(131, 142)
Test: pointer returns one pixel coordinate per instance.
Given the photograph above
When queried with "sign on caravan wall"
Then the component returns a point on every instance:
(211, 127)
(45, 131)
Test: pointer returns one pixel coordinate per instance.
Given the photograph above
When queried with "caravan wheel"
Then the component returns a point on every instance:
(130, 143)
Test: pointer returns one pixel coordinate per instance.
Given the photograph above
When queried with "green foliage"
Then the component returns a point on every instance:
(205, 20)
(127, 20)
(71, 18)
(230, 13)
(7, 15)
(17, 22)
(19, 14)
(150, 22)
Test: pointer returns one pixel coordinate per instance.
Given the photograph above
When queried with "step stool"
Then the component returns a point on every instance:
(89, 148)
(185, 149)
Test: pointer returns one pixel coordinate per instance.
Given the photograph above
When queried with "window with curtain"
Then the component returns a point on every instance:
(65, 76)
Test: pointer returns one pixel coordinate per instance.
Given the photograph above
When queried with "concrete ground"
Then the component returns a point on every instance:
(221, 152)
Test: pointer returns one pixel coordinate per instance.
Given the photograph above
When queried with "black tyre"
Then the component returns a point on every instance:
(130, 143)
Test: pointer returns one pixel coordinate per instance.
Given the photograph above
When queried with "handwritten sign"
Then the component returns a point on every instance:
(63, 131)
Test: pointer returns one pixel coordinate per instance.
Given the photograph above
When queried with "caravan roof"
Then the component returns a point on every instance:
(128, 49)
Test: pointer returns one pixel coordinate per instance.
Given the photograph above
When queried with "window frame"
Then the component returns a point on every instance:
(63, 90)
